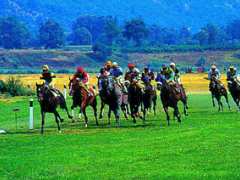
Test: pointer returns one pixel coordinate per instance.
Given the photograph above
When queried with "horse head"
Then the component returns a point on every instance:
(40, 91)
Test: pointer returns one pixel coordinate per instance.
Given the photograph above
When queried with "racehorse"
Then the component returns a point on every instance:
(135, 98)
(170, 97)
(234, 88)
(49, 103)
(81, 99)
(217, 91)
(149, 99)
(111, 94)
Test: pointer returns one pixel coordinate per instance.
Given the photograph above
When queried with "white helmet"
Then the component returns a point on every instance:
(114, 64)
(172, 64)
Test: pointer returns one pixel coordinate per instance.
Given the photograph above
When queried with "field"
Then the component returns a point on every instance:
(205, 146)
(194, 83)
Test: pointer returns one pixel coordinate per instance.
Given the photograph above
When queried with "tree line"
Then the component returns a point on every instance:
(105, 32)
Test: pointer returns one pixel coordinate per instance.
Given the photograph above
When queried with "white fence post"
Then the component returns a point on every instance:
(31, 120)
(65, 91)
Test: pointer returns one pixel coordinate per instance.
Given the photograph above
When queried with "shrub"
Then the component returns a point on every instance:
(14, 87)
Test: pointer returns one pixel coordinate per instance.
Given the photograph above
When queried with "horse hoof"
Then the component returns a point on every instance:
(61, 120)
(70, 117)
(60, 132)
(86, 125)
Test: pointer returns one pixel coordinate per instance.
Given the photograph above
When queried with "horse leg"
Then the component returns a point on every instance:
(73, 113)
(101, 110)
(83, 109)
(94, 106)
(69, 116)
(43, 121)
(226, 97)
(185, 106)
(109, 116)
(177, 114)
(133, 113)
(56, 114)
(213, 100)
(167, 114)
(220, 105)
(124, 109)
(117, 116)
(154, 105)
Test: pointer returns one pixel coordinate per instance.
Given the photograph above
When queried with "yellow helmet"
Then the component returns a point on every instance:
(108, 63)
(45, 67)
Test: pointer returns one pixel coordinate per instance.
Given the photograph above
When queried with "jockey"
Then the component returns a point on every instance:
(232, 74)
(133, 73)
(83, 77)
(147, 77)
(47, 76)
(168, 74)
(214, 72)
(108, 66)
(176, 73)
(116, 73)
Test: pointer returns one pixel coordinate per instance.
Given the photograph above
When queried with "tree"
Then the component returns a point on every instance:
(13, 34)
(233, 30)
(81, 36)
(208, 35)
(135, 30)
(94, 24)
(111, 30)
(51, 35)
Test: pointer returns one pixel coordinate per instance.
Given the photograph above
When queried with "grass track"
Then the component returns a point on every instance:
(205, 146)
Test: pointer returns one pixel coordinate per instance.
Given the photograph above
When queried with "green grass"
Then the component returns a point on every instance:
(205, 146)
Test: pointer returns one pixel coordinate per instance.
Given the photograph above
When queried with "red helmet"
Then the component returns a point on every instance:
(130, 65)
(80, 69)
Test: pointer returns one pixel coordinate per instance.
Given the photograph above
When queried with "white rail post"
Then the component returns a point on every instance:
(65, 91)
(31, 119)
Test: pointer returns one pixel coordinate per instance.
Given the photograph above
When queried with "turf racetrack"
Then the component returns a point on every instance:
(205, 146)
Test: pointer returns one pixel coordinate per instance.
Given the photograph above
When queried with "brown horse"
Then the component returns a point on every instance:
(49, 103)
(82, 99)
(234, 88)
(218, 90)
(170, 97)
(149, 99)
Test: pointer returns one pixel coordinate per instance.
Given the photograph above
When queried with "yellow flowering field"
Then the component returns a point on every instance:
(194, 83)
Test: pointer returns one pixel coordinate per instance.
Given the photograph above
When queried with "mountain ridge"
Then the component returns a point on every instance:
(169, 13)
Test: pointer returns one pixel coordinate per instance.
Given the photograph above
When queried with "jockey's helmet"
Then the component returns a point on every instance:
(164, 66)
(80, 69)
(109, 64)
(45, 67)
(114, 64)
(172, 65)
(213, 67)
(131, 65)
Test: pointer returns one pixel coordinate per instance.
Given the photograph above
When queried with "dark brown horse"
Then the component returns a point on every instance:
(82, 99)
(170, 96)
(234, 88)
(218, 90)
(49, 103)
(135, 98)
(149, 99)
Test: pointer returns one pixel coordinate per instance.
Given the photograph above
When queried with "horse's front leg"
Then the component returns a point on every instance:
(117, 116)
(101, 110)
(83, 109)
(94, 106)
(43, 121)
(227, 101)
(213, 102)
(167, 114)
(56, 114)
(109, 116)
(177, 113)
